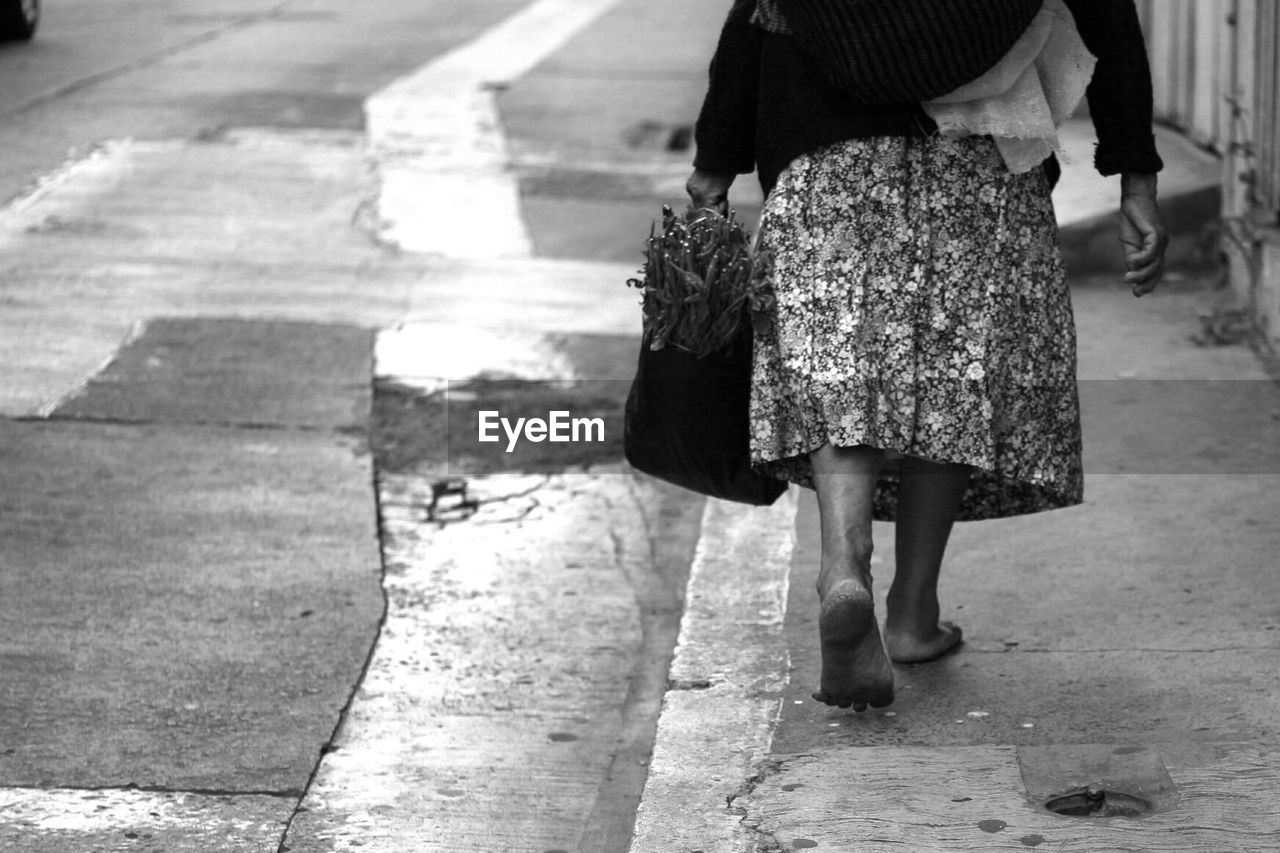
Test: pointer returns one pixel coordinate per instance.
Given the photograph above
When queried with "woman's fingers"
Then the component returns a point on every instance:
(709, 189)
(1145, 239)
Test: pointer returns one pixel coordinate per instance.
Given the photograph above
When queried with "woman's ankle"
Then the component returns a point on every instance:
(835, 574)
(916, 614)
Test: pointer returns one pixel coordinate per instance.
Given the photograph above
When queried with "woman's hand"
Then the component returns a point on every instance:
(1142, 232)
(709, 189)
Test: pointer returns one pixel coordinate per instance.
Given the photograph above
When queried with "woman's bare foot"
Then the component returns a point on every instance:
(922, 646)
(855, 669)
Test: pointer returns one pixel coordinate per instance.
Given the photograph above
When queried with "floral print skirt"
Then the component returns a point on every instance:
(921, 308)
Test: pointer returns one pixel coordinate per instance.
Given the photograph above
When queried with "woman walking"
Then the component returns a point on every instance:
(920, 364)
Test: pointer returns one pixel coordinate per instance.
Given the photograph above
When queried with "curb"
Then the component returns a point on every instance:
(721, 707)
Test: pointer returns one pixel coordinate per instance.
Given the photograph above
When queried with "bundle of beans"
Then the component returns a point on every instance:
(701, 285)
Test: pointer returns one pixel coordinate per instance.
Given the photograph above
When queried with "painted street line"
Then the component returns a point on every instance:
(446, 185)
(427, 356)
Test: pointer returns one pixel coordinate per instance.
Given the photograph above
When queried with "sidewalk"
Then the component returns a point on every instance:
(215, 528)
(1129, 643)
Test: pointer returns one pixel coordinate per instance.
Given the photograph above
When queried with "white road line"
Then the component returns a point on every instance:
(445, 183)
(447, 351)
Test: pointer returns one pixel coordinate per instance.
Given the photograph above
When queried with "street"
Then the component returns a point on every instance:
(238, 645)
(269, 268)
(172, 70)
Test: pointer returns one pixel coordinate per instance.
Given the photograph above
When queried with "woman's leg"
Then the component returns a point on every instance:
(928, 499)
(855, 669)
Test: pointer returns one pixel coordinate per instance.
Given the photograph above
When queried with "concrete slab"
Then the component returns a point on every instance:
(494, 703)
(1143, 608)
(975, 798)
(266, 195)
(1153, 338)
(1051, 698)
(591, 129)
(185, 608)
(588, 102)
(230, 371)
(85, 821)
(232, 226)
(1146, 577)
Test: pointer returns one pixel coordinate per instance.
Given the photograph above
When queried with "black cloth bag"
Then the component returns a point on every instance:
(686, 422)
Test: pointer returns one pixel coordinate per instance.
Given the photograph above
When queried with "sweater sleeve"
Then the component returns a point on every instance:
(726, 129)
(1120, 96)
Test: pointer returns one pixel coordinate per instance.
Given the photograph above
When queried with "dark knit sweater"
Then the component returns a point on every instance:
(894, 51)
(768, 102)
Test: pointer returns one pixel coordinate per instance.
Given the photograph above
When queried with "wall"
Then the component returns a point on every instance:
(1216, 69)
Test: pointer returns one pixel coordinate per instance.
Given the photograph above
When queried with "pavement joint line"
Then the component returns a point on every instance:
(289, 794)
(247, 426)
(331, 742)
(141, 62)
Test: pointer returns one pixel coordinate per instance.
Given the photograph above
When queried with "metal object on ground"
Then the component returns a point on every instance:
(1097, 802)
(450, 502)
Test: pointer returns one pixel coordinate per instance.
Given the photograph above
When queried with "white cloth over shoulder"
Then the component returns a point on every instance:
(1025, 98)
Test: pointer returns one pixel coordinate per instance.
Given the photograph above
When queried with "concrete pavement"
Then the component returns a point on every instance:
(1130, 643)
(223, 523)
(189, 505)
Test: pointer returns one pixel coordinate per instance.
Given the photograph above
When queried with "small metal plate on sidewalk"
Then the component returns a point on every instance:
(1098, 802)
(1097, 780)
(450, 501)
